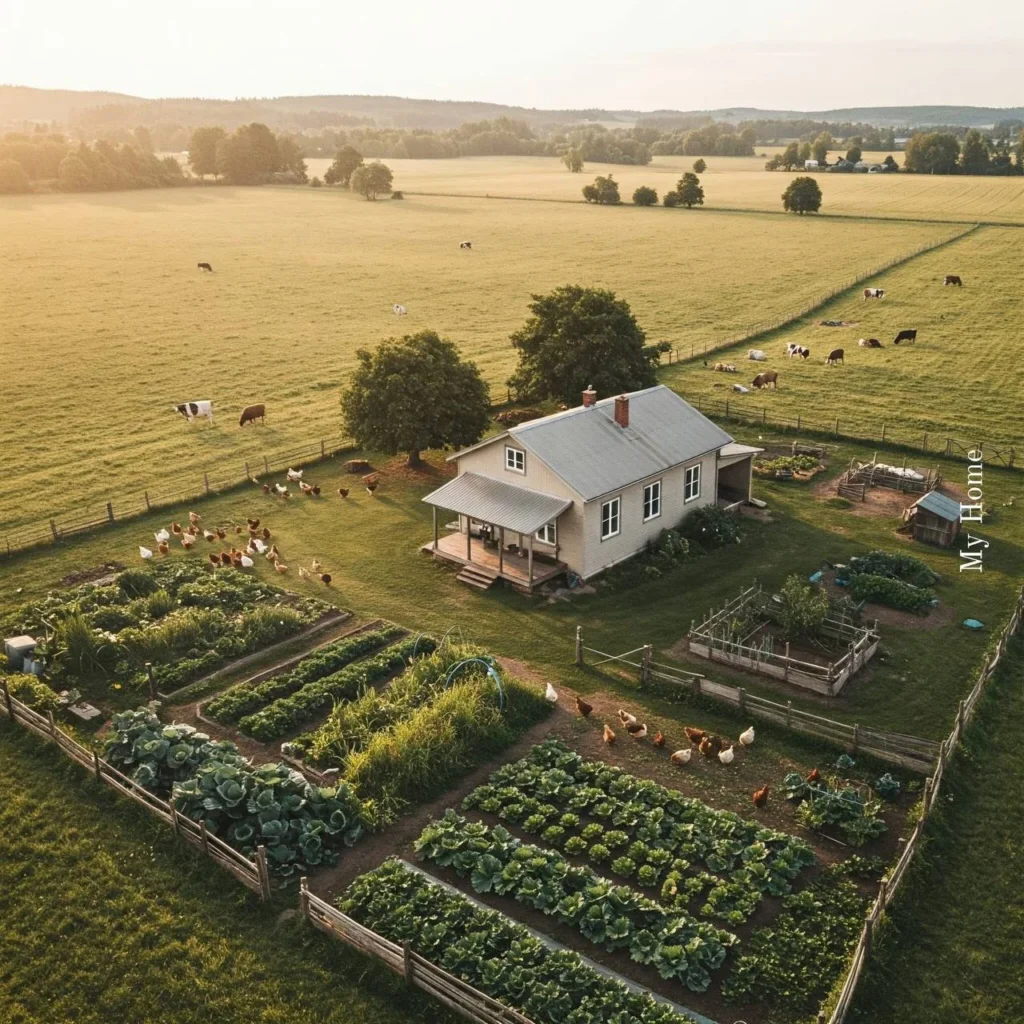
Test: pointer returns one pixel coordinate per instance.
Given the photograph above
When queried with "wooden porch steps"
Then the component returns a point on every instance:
(478, 576)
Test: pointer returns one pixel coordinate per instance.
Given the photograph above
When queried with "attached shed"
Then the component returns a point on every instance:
(935, 519)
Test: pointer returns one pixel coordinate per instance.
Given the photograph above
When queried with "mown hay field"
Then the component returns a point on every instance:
(729, 183)
(962, 378)
(106, 321)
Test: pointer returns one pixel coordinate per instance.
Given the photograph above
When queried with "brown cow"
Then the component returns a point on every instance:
(835, 356)
(762, 380)
(953, 279)
(252, 413)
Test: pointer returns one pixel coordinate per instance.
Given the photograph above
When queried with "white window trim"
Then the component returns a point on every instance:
(511, 467)
(654, 515)
(693, 497)
(540, 535)
(618, 518)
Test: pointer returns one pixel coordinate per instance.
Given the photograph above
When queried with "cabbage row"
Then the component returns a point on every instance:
(614, 917)
(492, 953)
(239, 701)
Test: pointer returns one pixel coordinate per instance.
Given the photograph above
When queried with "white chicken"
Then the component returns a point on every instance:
(259, 546)
(247, 562)
(683, 756)
(295, 475)
(626, 718)
(187, 540)
(145, 552)
(162, 536)
(747, 736)
(727, 756)
(280, 489)
(550, 693)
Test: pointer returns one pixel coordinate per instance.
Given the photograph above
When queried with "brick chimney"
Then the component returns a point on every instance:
(622, 410)
(589, 396)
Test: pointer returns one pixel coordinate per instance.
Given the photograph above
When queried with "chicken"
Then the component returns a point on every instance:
(343, 491)
(608, 736)
(294, 474)
(638, 732)
(304, 573)
(626, 718)
(194, 518)
(214, 559)
(814, 776)
(210, 535)
(266, 488)
(161, 536)
(280, 567)
(315, 493)
(256, 547)
(659, 739)
(550, 693)
(253, 532)
(221, 532)
(710, 745)
(246, 562)
(682, 757)
(238, 529)
(187, 540)
(583, 707)
(145, 552)
(760, 796)
(192, 530)
(371, 487)
(316, 566)
(266, 533)
(694, 735)
(305, 488)
(325, 578)
(272, 552)
(280, 489)
(176, 529)
(236, 559)
(253, 523)
(225, 558)
(747, 737)
(727, 756)
(163, 547)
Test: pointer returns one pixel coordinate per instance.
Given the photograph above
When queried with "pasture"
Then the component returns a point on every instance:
(730, 183)
(107, 322)
(961, 378)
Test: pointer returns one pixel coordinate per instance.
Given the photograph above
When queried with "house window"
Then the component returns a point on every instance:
(546, 534)
(610, 519)
(515, 460)
(691, 483)
(652, 500)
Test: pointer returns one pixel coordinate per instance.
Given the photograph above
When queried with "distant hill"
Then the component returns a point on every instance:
(95, 110)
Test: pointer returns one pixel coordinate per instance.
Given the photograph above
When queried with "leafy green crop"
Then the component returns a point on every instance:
(834, 802)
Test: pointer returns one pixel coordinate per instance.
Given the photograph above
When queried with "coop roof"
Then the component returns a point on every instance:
(941, 505)
(494, 501)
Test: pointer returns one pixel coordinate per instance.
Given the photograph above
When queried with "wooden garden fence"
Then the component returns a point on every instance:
(456, 994)
(199, 485)
(253, 874)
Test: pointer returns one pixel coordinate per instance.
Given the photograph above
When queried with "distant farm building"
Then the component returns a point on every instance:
(934, 519)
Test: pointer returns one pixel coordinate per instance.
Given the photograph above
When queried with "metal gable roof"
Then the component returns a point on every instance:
(587, 449)
(940, 505)
(494, 501)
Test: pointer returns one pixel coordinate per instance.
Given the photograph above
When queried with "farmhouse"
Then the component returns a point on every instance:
(586, 488)
(934, 519)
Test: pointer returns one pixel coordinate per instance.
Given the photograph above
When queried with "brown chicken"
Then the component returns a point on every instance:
(814, 776)
(609, 736)
(176, 529)
(253, 523)
(583, 707)
(760, 796)
(163, 547)
(214, 559)
(626, 718)
(710, 745)
(266, 488)
(221, 532)
(343, 491)
(694, 735)
(225, 558)
(266, 533)
(325, 578)
(659, 739)
(315, 493)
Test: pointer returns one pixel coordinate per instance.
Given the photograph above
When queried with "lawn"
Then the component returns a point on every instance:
(729, 183)
(107, 317)
(108, 918)
(369, 545)
(955, 381)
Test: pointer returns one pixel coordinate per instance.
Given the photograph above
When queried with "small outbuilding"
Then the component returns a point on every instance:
(934, 519)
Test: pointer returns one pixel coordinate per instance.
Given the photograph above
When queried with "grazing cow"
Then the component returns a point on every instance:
(465, 245)
(398, 309)
(205, 266)
(835, 356)
(792, 349)
(193, 410)
(953, 279)
(762, 380)
(252, 413)
(869, 343)
(757, 355)
(874, 293)
(906, 335)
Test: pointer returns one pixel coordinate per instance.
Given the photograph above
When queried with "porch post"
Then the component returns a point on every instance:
(750, 479)
(501, 550)
(530, 562)
(435, 529)
(469, 538)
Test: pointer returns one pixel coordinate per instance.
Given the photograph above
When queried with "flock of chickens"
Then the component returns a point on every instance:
(371, 481)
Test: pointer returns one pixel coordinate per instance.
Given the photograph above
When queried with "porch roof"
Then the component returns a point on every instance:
(493, 501)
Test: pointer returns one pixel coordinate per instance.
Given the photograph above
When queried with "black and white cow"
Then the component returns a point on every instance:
(874, 293)
(193, 410)
(792, 349)
(465, 245)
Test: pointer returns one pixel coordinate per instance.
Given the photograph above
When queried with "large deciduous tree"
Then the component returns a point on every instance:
(202, 150)
(974, 157)
(822, 144)
(689, 190)
(645, 196)
(931, 153)
(249, 156)
(573, 160)
(346, 160)
(412, 394)
(371, 180)
(604, 191)
(580, 336)
(802, 196)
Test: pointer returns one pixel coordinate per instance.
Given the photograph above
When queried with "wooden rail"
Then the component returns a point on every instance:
(251, 873)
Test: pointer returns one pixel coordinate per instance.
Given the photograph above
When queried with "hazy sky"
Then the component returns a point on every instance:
(807, 54)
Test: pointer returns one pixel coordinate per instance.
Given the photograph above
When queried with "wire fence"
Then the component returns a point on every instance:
(198, 485)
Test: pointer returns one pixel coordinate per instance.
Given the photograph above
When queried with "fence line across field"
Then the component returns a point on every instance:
(253, 874)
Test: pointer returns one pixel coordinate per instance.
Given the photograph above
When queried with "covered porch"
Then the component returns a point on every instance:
(497, 531)
(735, 474)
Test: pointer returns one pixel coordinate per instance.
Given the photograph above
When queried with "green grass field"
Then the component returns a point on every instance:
(729, 183)
(961, 378)
(107, 322)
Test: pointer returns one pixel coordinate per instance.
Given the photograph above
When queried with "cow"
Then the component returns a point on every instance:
(465, 245)
(792, 349)
(835, 356)
(762, 380)
(874, 293)
(252, 413)
(953, 279)
(205, 266)
(869, 343)
(193, 410)
(724, 368)
(398, 309)
(757, 355)
(906, 335)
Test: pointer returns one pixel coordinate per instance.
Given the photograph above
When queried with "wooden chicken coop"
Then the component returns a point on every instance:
(934, 519)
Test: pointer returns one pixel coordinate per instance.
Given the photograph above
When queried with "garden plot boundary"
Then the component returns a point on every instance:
(912, 752)
(62, 525)
(889, 886)
(253, 874)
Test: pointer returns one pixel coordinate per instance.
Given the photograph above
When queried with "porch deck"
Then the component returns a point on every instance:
(514, 567)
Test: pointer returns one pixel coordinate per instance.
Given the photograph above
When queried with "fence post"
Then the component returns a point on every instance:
(206, 483)
(579, 647)
(175, 827)
(304, 896)
(149, 507)
(696, 685)
(203, 840)
(856, 738)
(764, 414)
(837, 426)
(883, 892)
(789, 714)
(645, 665)
(407, 965)
(7, 700)
(149, 678)
(785, 668)
(53, 725)
(926, 800)
(53, 530)
(323, 449)
(924, 443)
(97, 768)
(883, 431)
(248, 475)
(110, 512)
(261, 867)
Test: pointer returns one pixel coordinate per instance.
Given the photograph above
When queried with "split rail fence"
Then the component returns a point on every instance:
(456, 994)
(254, 874)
